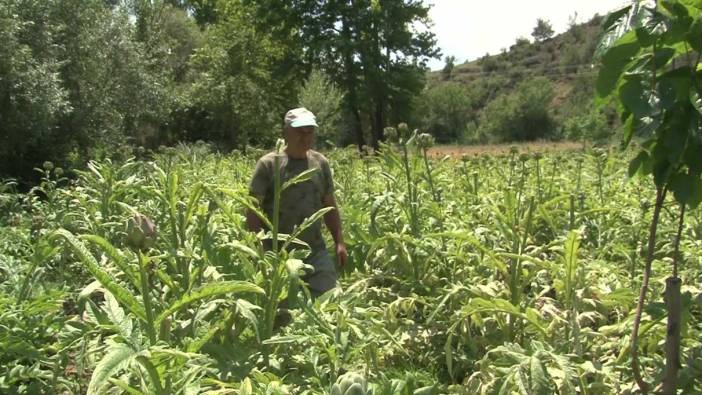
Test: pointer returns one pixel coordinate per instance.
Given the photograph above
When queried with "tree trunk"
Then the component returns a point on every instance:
(350, 82)
(672, 340)
(635, 367)
(378, 124)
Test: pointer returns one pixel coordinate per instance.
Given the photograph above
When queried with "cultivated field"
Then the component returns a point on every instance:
(510, 273)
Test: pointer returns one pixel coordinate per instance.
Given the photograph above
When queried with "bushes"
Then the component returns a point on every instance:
(447, 110)
(521, 115)
(591, 125)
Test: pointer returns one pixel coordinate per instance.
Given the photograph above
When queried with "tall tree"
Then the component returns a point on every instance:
(373, 48)
(447, 71)
(236, 92)
(542, 31)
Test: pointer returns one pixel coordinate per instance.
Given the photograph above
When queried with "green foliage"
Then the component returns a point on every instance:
(32, 98)
(659, 104)
(447, 71)
(591, 126)
(513, 272)
(542, 31)
(446, 111)
(565, 60)
(324, 98)
(519, 116)
(658, 97)
(235, 84)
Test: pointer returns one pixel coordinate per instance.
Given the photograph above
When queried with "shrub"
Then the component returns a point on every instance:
(321, 96)
(521, 115)
(447, 109)
(588, 126)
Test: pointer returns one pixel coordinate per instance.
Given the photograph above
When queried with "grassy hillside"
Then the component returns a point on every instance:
(558, 70)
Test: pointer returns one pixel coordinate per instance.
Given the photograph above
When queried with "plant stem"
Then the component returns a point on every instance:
(676, 250)
(660, 197)
(146, 295)
(672, 339)
(673, 307)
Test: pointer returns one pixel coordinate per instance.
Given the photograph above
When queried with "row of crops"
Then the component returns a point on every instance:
(488, 274)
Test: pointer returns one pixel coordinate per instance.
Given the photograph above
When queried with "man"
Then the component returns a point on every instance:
(301, 200)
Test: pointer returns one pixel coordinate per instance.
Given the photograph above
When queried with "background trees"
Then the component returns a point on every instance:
(82, 78)
(95, 78)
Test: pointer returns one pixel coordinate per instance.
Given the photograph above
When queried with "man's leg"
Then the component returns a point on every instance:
(324, 276)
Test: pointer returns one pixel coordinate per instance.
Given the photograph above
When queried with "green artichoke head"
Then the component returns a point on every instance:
(141, 232)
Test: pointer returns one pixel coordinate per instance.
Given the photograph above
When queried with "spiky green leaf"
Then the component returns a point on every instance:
(107, 281)
(207, 291)
(118, 357)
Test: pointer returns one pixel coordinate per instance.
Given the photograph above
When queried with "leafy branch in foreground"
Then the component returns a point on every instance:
(650, 64)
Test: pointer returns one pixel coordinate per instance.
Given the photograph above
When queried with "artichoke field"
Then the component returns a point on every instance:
(512, 274)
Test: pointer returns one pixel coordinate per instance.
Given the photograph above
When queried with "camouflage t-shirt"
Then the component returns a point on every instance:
(298, 201)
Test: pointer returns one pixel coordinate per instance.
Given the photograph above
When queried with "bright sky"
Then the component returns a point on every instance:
(468, 29)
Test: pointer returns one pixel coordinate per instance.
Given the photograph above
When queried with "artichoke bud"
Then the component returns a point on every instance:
(513, 149)
(425, 141)
(350, 383)
(523, 157)
(48, 165)
(390, 134)
(141, 232)
(403, 130)
(538, 155)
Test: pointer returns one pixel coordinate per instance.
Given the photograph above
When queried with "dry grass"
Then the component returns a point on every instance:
(501, 149)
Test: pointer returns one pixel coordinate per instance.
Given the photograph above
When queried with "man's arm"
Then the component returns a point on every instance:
(333, 222)
(253, 222)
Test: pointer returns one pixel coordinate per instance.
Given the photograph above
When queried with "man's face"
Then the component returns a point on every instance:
(300, 138)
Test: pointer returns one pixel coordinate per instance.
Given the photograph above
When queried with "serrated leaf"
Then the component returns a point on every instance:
(116, 314)
(300, 178)
(115, 255)
(107, 281)
(126, 387)
(118, 357)
(692, 157)
(663, 56)
(206, 291)
(540, 384)
(661, 171)
(306, 224)
(246, 309)
(614, 63)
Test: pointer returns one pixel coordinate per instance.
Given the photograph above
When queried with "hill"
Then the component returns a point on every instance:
(557, 74)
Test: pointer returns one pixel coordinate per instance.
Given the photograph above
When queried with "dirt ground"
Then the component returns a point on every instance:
(498, 149)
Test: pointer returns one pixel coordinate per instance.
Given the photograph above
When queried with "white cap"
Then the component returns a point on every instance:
(299, 117)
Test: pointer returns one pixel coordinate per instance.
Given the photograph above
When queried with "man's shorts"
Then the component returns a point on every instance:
(323, 278)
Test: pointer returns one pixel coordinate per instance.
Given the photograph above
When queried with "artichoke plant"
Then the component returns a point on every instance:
(350, 383)
(141, 232)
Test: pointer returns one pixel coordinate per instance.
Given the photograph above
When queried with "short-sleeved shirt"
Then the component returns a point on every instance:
(298, 201)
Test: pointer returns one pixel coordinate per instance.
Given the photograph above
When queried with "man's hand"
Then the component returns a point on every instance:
(341, 254)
